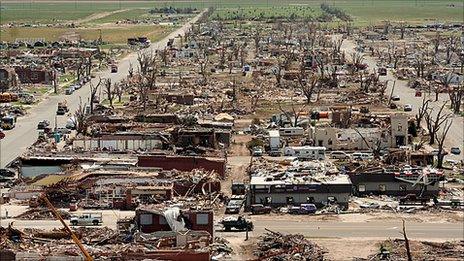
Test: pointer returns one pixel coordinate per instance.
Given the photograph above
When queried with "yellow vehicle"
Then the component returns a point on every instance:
(8, 122)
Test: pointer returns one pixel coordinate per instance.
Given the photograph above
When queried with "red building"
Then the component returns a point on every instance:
(149, 221)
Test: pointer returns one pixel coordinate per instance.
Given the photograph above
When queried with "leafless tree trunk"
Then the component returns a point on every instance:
(93, 93)
(80, 119)
(406, 242)
(109, 91)
(456, 95)
(440, 138)
(434, 123)
(131, 70)
(307, 86)
(422, 110)
(295, 113)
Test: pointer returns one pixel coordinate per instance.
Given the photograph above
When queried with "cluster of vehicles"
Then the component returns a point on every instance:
(77, 85)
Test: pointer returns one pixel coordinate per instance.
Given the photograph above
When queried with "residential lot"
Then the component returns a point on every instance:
(232, 130)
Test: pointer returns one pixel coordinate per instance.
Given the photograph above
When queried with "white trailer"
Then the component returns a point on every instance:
(306, 152)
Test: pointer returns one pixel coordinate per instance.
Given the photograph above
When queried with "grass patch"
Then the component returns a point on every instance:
(115, 35)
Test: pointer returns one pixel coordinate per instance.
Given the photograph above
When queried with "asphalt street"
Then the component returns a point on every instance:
(25, 133)
(455, 136)
(318, 229)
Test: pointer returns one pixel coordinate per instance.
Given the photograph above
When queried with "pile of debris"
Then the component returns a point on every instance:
(220, 248)
(276, 246)
(395, 249)
(42, 213)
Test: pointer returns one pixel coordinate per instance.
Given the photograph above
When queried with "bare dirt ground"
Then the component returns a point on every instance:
(346, 249)
(98, 16)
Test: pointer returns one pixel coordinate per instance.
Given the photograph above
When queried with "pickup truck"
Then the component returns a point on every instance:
(239, 223)
(413, 198)
(86, 219)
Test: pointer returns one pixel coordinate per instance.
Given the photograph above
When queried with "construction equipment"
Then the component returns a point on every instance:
(73, 236)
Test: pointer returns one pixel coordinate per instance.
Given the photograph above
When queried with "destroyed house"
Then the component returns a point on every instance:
(396, 183)
(34, 75)
(185, 99)
(277, 192)
(121, 142)
(205, 137)
(8, 78)
(174, 219)
(183, 163)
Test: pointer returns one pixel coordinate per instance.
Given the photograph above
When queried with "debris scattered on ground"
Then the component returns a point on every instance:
(277, 246)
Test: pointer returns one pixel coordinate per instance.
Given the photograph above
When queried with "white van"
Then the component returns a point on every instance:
(339, 155)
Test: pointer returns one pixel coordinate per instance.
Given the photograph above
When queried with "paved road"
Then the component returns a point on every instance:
(25, 134)
(455, 136)
(372, 229)
(321, 229)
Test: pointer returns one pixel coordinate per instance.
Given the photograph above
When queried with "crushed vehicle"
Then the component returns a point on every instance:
(239, 223)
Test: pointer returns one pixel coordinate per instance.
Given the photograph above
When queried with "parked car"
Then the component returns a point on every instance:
(407, 107)
(257, 209)
(257, 152)
(60, 111)
(308, 209)
(275, 153)
(396, 98)
(339, 155)
(69, 91)
(361, 156)
(7, 173)
(43, 124)
(393, 105)
(87, 219)
(63, 130)
(303, 209)
(455, 150)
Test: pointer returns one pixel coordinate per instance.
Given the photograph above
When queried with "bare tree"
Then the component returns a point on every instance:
(80, 119)
(145, 60)
(109, 91)
(434, 123)
(422, 110)
(456, 95)
(131, 70)
(295, 113)
(93, 93)
(440, 138)
(406, 242)
(203, 63)
(119, 90)
(450, 47)
(402, 29)
(307, 85)
(277, 71)
(436, 43)
(256, 39)
(357, 59)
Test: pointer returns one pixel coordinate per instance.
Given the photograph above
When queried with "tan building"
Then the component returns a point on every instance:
(349, 139)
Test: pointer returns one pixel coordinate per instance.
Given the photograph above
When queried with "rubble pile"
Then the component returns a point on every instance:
(42, 213)
(420, 250)
(277, 246)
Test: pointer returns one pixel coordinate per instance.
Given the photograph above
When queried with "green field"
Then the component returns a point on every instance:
(111, 35)
(363, 11)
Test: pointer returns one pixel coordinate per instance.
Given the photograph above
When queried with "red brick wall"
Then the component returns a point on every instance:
(183, 163)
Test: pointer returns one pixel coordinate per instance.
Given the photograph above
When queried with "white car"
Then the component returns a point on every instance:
(339, 155)
(407, 107)
(396, 98)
